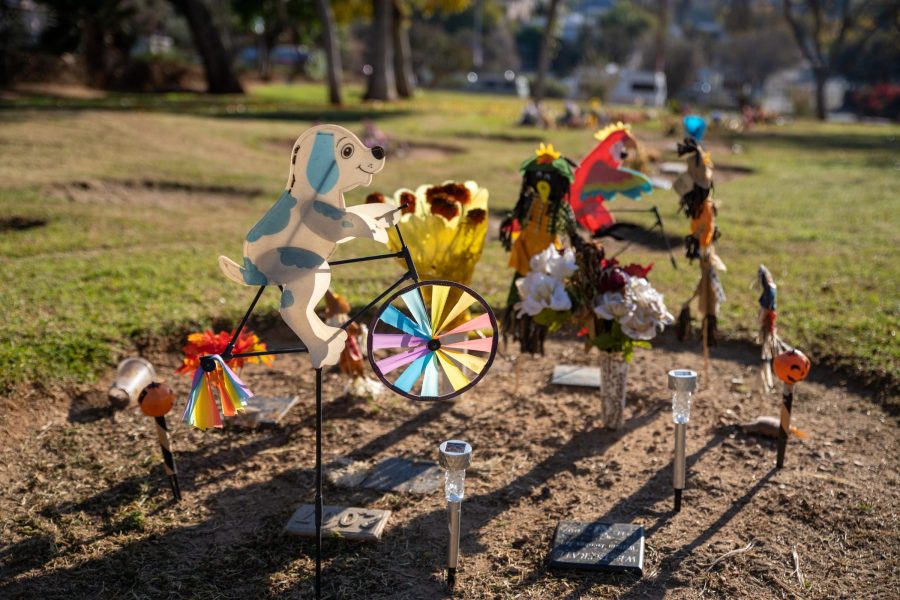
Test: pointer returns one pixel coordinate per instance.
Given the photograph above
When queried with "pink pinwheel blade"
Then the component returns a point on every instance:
(381, 341)
(386, 365)
(480, 345)
(482, 322)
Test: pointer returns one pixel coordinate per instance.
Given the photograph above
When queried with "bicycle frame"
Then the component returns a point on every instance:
(411, 274)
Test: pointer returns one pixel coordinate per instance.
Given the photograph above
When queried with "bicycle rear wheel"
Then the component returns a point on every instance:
(433, 340)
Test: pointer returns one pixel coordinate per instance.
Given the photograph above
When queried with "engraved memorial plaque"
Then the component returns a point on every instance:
(614, 547)
(265, 411)
(576, 375)
(348, 522)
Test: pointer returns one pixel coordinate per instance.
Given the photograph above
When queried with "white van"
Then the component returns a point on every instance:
(639, 87)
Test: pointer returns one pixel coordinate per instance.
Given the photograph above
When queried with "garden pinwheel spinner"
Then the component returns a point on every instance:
(422, 346)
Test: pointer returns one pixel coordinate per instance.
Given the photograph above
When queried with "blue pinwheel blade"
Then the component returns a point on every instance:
(412, 373)
(417, 308)
(430, 387)
(393, 317)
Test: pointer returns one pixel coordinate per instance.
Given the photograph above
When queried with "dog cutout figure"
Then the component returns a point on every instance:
(291, 244)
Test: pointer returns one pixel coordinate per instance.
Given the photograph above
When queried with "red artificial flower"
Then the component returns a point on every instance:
(452, 192)
(636, 270)
(375, 198)
(206, 343)
(409, 199)
(476, 216)
(441, 205)
(612, 280)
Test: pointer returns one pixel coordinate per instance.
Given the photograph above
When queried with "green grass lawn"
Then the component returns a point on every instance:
(100, 278)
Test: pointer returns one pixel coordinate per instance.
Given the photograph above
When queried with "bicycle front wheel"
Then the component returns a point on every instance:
(433, 340)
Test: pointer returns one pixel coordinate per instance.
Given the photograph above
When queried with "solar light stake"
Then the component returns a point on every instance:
(683, 382)
(455, 457)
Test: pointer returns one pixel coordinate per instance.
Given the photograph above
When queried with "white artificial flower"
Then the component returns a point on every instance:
(540, 262)
(560, 300)
(539, 291)
(614, 305)
(561, 266)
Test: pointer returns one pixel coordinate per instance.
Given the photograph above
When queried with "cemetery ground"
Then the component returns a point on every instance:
(113, 211)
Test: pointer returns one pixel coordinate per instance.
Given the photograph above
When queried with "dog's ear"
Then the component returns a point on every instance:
(322, 170)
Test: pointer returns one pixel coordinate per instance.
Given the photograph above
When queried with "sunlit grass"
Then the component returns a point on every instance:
(819, 211)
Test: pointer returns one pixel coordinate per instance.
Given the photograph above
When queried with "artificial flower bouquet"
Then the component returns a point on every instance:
(619, 309)
(444, 226)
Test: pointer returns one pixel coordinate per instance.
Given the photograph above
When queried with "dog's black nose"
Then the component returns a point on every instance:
(378, 152)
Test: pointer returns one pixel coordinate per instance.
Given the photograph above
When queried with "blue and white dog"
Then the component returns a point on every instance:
(291, 244)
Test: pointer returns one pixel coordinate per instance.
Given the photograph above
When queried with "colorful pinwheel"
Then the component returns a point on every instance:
(422, 346)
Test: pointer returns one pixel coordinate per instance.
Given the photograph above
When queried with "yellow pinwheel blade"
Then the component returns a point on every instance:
(438, 300)
(464, 302)
(470, 361)
(454, 374)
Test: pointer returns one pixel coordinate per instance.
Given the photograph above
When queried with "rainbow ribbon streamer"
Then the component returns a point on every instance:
(201, 410)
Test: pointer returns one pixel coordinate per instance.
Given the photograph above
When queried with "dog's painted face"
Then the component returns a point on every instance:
(331, 158)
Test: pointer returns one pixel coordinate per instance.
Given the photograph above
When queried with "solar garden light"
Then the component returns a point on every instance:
(683, 382)
(132, 376)
(455, 457)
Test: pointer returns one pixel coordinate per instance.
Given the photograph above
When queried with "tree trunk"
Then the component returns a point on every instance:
(332, 51)
(821, 77)
(544, 56)
(382, 85)
(220, 75)
(406, 83)
(93, 51)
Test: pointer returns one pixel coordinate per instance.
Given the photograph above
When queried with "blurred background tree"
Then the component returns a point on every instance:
(713, 53)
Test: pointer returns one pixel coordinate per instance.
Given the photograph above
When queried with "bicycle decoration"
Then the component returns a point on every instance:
(600, 176)
(413, 347)
(540, 218)
(618, 310)
(695, 188)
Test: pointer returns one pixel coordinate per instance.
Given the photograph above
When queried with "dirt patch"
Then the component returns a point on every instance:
(19, 223)
(148, 193)
(87, 513)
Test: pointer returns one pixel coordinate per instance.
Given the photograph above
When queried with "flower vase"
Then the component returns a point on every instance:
(613, 387)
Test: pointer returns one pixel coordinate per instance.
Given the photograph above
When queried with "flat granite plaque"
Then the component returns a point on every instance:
(265, 411)
(615, 547)
(576, 375)
(348, 522)
(400, 475)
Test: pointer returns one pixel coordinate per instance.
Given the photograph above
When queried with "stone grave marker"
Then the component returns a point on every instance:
(576, 375)
(366, 524)
(614, 547)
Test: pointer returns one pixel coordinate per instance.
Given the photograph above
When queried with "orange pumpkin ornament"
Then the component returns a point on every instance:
(156, 400)
(791, 367)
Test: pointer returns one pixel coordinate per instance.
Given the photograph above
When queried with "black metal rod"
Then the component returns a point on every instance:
(451, 578)
(662, 230)
(237, 332)
(677, 500)
(784, 430)
(362, 311)
(348, 261)
(296, 350)
(318, 483)
(162, 433)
